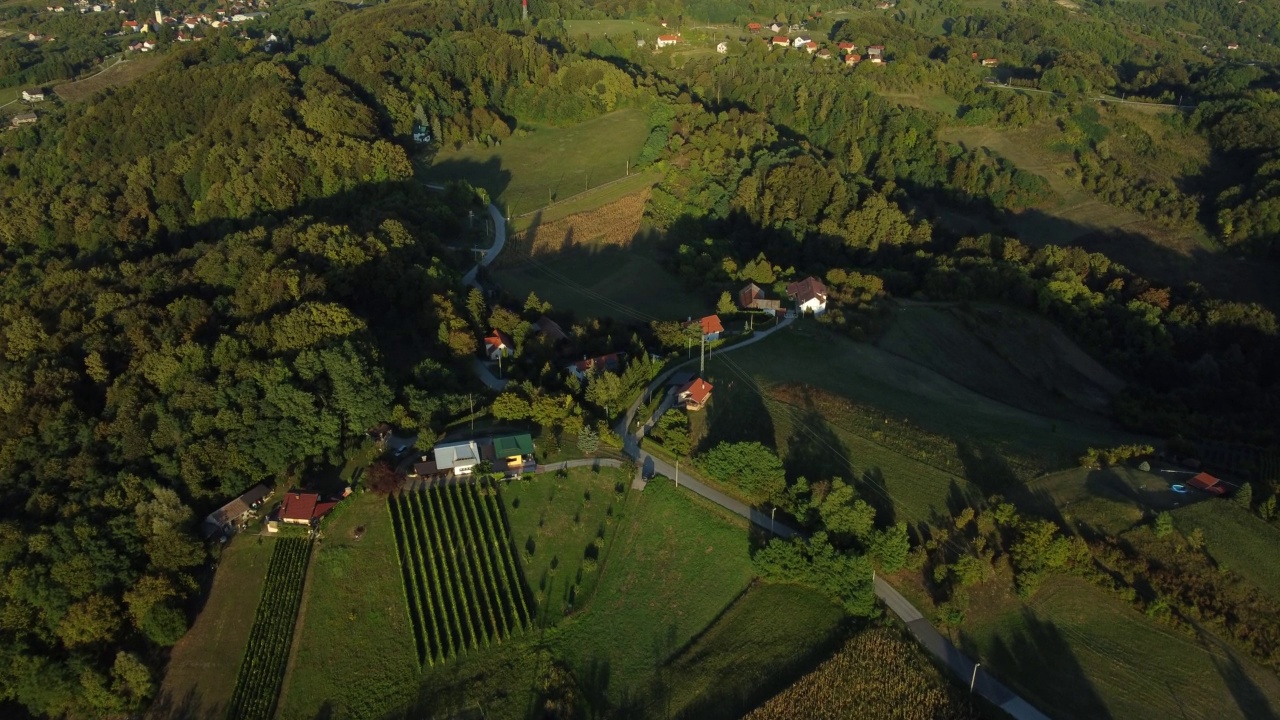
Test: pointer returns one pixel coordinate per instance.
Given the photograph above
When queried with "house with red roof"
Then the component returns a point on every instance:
(587, 366)
(694, 395)
(299, 508)
(710, 326)
(809, 294)
(498, 345)
(665, 40)
(781, 41)
(845, 46)
(1208, 483)
(754, 28)
(852, 59)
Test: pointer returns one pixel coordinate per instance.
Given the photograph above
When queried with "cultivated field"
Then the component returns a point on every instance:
(203, 665)
(1084, 654)
(548, 164)
(262, 669)
(614, 224)
(877, 674)
(635, 183)
(561, 528)
(464, 588)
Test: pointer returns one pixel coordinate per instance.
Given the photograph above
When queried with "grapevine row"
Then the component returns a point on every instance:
(262, 669)
(462, 586)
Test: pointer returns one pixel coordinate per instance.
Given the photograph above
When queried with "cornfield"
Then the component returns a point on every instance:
(876, 675)
(613, 224)
(263, 666)
(461, 581)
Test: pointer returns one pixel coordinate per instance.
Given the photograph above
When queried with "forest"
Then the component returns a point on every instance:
(199, 295)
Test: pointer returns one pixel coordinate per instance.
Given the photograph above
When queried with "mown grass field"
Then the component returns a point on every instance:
(678, 562)
(555, 523)
(203, 665)
(1083, 654)
(548, 163)
(1236, 539)
(767, 638)
(120, 73)
(627, 283)
(632, 184)
(354, 653)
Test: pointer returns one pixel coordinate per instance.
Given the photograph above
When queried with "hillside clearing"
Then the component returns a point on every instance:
(121, 73)
(532, 171)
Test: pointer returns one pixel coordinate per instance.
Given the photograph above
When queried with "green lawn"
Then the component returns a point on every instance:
(354, 653)
(677, 563)
(605, 281)
(1236, 539)
(613, 28)
(555, 523)
(590, 200)
(203, 665)
(1081, 653)
(761, 644)
(548, 163)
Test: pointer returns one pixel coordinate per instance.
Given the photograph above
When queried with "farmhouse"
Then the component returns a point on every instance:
(694, 395)
(1208, 483)
(752, 297)
(875, 53)
(33, 95)
(852, 59)
(754, 28)
(810, 295)
(801, 41)
(775, 28)
(665, 40)
(299, 508)
(21, 119)
(228, 516)
(711, 327)
(990, 62)
(824, 54)
(846, 47)
(458, 458)
(498, 345)
(781, 41)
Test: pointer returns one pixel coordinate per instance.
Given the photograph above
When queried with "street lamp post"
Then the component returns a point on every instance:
(974, 679)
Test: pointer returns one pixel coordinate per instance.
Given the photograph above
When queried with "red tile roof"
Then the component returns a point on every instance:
(807, 289)
(846, 45)
(499, 339)
(669, 38)
(781, 40)
(710, 324)
(1208, 483)
(299, 506)
(698, 390)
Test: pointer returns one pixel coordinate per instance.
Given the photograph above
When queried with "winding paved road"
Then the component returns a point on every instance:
(928, 636)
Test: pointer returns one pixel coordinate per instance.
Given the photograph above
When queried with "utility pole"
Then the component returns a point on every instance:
(472, 402)
(677, 471)
(702, 357)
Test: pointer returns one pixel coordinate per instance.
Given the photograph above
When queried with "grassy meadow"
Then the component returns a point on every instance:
(203, 665)
(678, 561)
(1080, 652)
(627, 283)
(547, 163)
(354, 653)
(1236, 539)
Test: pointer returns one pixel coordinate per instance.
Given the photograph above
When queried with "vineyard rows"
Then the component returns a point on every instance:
(461, 581)
(262, 669)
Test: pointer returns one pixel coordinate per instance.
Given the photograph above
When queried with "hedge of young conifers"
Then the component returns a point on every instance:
(262, 669)
(461, 582)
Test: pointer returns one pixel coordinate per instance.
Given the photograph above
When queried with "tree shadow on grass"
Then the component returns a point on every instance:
(815, 452)
(1037, 657)
(736, 414)
(871, 487)
(1250, 698)
(187, 707)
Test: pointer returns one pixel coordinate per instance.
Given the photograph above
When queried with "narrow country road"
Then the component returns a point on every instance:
(928, 636)
(499, 240)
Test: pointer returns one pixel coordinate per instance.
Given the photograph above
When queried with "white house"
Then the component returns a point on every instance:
(665, 40)
(801, 41)
(810, 295)
(33, 95)
(459, 457)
